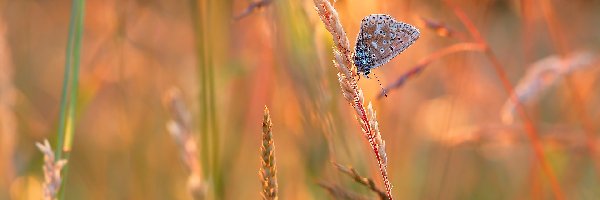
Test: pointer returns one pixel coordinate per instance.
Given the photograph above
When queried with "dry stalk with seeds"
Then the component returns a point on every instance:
(180, 128)
(541, 75)
(52, 171)
(347, 78)
(268, 169)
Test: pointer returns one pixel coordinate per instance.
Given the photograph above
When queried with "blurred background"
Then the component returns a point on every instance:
(444, 134)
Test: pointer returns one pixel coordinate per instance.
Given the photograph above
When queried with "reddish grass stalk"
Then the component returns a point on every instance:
(560, 44)
(530, 128)
(352, 93)
(460, 47)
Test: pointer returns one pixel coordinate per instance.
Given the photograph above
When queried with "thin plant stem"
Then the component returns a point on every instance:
(75, 81)
(197, 23)
(67, 115)
(65, 86)
(560, 44)
(209, 126)
(210, 98)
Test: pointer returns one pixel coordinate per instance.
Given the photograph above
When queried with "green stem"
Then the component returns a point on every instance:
(210, 98)
(67, 123)
(65, 86)
(75, 82)
(197, 19)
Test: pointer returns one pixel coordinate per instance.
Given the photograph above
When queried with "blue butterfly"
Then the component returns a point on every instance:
(380, 39)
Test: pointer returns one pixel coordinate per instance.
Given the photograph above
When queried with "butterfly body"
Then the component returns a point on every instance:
(380, 39)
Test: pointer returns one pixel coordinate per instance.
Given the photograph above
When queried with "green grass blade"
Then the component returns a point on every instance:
(71, 81)
(65, 86)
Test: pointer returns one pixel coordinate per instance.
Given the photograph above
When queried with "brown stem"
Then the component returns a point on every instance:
(350, 171)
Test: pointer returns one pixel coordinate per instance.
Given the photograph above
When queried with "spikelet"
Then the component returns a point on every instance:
(180, 128)
(268, 169)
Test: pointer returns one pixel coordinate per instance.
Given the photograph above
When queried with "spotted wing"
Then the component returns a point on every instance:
(380, 39)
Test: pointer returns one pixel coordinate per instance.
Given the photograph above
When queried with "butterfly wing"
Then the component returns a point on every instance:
(380, 39)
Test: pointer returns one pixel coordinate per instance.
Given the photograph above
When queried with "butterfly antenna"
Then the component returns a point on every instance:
(381, 86)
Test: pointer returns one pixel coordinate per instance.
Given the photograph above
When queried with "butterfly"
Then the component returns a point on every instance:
(380, 39)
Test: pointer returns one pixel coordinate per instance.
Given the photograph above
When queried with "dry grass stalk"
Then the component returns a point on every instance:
(350, 171)
(268, 170)
(540, 76)
(338, 192)
(347, 78)
(52, 171)
(180, 128)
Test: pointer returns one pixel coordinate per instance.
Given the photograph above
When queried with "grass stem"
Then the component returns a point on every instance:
(66, 126)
